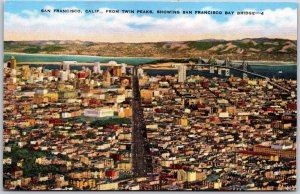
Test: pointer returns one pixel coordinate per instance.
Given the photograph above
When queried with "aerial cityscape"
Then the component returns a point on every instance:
(162, 115)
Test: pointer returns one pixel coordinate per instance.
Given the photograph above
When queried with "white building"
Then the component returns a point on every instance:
(65, 115)
(282, 146)
(66, 64)
(39, 69)
(63, 76)
(104, 112)
(41, 91)
(223, 114)
(112, 63)
(13, 73)
(120, 98)
(96, 68)
(153, 79)
(123, 68)
(140, 72)
(72, 76)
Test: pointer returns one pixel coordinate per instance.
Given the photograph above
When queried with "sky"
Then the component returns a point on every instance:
(26, 21)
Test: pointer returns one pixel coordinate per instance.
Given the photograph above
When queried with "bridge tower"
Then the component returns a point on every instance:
(211, 62)
(219, 71)
(199, 63)
(226, 64)
(245, 68)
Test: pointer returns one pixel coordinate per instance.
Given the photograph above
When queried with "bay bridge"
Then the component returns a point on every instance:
(244, 68)
(227, 65)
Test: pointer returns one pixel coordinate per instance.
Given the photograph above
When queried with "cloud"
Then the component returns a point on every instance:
(33, 25)
(208, 8)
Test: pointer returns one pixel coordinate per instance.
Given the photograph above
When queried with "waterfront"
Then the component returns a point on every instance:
(276, 70)
(78, 58)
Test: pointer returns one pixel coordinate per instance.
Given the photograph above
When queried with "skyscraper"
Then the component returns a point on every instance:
(140, 72)
(181, 73)
(12, 63)
(123, 68)
(117, 71)
(66, 65)
(96, 68)
(106, 78)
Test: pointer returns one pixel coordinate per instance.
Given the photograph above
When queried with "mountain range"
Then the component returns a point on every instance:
(255, 49)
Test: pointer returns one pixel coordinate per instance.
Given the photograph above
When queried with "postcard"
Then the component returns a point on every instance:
(149, 96)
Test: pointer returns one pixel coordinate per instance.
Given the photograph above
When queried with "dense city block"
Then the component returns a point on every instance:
(115, 127)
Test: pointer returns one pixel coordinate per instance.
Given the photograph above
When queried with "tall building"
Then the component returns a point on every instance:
(181, 73)
(106, 78)
(26, 72)
(123, 68)
(63, 76)
(66, 65)
(117, 71)
(96, 68)
(140, 72)
(12, 63)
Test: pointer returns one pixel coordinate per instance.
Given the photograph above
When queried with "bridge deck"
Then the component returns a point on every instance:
(248, 72)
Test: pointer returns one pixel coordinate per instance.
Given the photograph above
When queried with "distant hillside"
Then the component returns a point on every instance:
(260, 49)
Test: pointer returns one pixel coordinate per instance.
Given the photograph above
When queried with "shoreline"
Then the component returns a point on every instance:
(267, 63)
(83, 55)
